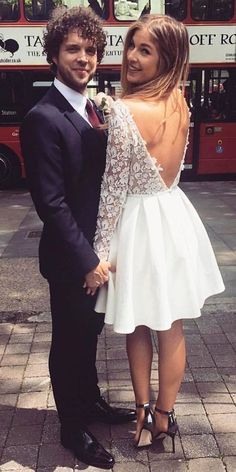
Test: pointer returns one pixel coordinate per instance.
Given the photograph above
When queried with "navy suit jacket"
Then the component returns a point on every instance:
(65, 160)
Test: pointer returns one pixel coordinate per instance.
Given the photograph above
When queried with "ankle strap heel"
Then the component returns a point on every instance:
(172, 425)
(147, 430)
(149, 417)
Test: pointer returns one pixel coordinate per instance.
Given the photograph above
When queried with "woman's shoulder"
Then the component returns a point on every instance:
(140, 109)
(145, 111)
(137, 104)
(121, 109)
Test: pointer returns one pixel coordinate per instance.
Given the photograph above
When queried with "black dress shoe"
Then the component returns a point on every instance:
(86, 448)
(101, 411)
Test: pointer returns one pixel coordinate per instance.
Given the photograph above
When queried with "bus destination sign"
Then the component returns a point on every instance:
(23, 45)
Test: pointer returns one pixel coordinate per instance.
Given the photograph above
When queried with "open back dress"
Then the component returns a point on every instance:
(151, 233)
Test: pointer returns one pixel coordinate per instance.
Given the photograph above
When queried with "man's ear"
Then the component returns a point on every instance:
(55, 60)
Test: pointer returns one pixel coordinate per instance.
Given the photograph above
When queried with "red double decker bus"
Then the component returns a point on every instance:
(211, 87)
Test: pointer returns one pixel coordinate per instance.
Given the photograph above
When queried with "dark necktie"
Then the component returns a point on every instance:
(92, 116)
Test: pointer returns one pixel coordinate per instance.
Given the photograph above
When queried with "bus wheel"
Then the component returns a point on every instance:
(9, 169)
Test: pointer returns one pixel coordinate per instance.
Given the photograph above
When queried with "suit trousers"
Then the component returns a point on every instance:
(72, 359)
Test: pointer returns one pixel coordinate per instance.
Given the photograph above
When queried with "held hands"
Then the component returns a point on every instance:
(97, 277)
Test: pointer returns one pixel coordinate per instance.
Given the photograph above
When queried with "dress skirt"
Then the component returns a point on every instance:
(165, 264)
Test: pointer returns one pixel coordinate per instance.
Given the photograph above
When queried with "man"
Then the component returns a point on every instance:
(65, 158)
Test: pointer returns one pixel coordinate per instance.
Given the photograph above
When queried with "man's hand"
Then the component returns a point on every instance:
(97, 277)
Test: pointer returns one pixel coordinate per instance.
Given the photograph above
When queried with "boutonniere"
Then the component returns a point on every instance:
(104, 103)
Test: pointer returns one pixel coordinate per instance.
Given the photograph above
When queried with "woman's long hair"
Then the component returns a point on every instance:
(171, 40)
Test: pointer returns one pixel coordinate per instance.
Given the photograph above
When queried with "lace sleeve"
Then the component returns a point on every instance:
(115, 182)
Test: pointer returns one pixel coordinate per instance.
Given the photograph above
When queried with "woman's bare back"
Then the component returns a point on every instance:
(163, 126)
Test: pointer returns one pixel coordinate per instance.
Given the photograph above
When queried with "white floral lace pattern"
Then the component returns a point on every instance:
(130, 170)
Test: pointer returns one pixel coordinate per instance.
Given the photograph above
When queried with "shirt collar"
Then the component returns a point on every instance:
(76, 99)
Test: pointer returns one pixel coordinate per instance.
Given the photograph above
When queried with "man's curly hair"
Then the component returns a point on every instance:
(64, 20)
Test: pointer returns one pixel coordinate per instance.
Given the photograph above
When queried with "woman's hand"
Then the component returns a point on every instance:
(97, 277)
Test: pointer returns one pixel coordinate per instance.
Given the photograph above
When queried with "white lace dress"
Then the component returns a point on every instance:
(165, 265)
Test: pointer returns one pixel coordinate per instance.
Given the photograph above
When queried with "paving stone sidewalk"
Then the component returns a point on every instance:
(206, 404)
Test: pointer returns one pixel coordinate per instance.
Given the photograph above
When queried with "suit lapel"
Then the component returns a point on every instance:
(69, 112)
(77, 121)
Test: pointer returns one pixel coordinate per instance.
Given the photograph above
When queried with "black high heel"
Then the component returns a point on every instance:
(147, 430)
(172, 425)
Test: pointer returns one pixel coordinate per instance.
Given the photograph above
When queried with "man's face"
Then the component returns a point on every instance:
(76, 62)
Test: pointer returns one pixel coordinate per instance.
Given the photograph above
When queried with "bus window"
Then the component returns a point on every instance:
(40, 9)
(213, 10)
(20, 91)
(101, 7)
(229, 86)
(9, 11)
(176, 8)
(39, 88)
(128, 10)
(219, 95)
(11, 97)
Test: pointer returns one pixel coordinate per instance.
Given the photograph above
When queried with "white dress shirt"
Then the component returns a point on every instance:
(75, 99)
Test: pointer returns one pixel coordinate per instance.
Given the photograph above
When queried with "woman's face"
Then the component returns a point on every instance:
(142, 58)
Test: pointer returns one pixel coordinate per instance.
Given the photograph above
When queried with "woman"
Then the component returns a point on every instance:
(147, 228)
